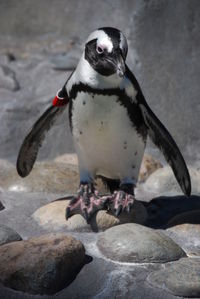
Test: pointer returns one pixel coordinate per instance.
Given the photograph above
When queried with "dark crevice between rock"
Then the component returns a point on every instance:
(164, 208)
(1, 206)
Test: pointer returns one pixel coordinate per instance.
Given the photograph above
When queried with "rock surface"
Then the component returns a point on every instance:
(52, 216)
(8, 235)
(41, 265)
(133, 243)
(58, 176)
(163, 182)
(8, 79)
(149, 165)
(180, 278)
(101, 278)
(49, 177)
(187, 236)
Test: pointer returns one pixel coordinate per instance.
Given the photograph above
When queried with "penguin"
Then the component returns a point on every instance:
(110, 121)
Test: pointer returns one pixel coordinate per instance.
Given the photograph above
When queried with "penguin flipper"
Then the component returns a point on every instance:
(33, 141)
(164, 141)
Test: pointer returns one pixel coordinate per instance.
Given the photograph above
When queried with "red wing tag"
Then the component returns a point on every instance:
(60, 102)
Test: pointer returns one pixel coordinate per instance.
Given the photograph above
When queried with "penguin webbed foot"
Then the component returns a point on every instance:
(121, 201)
(86, 203)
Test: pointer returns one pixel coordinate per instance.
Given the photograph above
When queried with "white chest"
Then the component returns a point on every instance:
(105, 138)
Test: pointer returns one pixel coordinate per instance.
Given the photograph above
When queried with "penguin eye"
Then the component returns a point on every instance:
(99, 50)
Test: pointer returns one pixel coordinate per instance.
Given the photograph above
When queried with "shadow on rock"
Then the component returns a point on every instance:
(167, 211)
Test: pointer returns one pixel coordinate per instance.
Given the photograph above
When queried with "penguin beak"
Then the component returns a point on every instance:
(120, 66)
(117, 64)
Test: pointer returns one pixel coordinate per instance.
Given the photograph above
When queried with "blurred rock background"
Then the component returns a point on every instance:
(41, 42)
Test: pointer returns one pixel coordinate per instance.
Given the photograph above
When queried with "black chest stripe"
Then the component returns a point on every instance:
(133, 109)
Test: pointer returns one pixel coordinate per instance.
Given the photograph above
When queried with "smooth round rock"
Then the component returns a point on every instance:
(148, 166)
(52, 216)
(187, 236)
(8, 235)
(181, 278)
(49, 177)
(70, 159)
(134, 243)
(163, 182)
(41, 265)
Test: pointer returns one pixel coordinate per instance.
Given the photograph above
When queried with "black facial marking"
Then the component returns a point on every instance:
(103, 62)
(133, 109)
(99, 62)
(83, 102)
(115, 36)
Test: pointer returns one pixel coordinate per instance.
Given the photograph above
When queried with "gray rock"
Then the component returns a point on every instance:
(49, 177)
(187, 236)
(163, 182)
(8, 79)
(52, 217)
(8, 235)
(70, 159)
(66, 61)
(148, 166)
(41, 265)
(19, 110)
(135, 243)
(181, 278)
(18, 204)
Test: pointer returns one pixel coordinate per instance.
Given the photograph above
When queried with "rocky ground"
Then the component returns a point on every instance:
(153, 252)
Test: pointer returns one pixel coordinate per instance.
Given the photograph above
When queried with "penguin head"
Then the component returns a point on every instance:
(106, 50)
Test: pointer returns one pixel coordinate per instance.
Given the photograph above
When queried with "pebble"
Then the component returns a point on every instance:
(41, 265)
(134, 243)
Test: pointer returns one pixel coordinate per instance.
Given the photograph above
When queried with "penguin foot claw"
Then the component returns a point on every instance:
(86, 203)
(120, 202)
